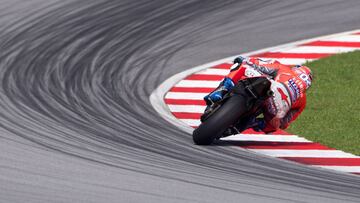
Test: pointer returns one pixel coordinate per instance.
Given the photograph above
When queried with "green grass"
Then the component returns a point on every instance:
(332, 114)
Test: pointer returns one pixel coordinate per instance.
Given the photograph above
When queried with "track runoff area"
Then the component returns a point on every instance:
(180, 101)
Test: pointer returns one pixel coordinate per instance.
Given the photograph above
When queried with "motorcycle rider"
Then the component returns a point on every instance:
(289, 86)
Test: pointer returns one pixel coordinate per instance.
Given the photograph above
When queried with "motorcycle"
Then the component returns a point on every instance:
(238, 106)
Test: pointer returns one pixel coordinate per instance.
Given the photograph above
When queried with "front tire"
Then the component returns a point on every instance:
(216, 124)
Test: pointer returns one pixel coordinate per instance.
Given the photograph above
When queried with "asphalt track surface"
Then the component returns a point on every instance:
(76, 121)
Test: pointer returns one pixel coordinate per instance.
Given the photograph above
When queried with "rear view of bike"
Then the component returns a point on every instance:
(245, 99)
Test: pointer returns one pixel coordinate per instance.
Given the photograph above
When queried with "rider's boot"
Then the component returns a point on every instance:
(217, 95)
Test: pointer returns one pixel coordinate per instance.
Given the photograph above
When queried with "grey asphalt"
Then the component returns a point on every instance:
(76, 124)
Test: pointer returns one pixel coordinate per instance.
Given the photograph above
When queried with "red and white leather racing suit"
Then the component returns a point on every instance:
(289, 98)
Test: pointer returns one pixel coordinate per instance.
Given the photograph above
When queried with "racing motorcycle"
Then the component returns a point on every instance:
(237, 108)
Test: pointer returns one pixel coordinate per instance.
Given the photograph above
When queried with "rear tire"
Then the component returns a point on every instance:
(216, 124)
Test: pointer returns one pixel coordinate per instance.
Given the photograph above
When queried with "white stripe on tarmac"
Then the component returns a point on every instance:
(345, 38)
(185, 95)
(198, 83)
(187, 108)
(191, 122)
(289, 61)
(213, 71)
(304, 153)
(266, 138)
(316, 49)
(348, 169)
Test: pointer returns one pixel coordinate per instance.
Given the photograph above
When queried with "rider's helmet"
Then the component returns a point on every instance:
(305, 74)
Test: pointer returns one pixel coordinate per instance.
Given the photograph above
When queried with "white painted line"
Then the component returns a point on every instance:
(288, 61)
(185, 95)
(198, 83)
(266, 138)
(344, 38)
(348, 169)
(187, 108)
(304, 153)
(317, 49)
(213, 71)
(191, 122)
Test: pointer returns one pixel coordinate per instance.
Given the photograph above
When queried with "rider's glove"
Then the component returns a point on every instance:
(239, 59)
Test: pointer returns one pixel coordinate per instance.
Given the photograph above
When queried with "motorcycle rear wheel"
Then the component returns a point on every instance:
(230, 112)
